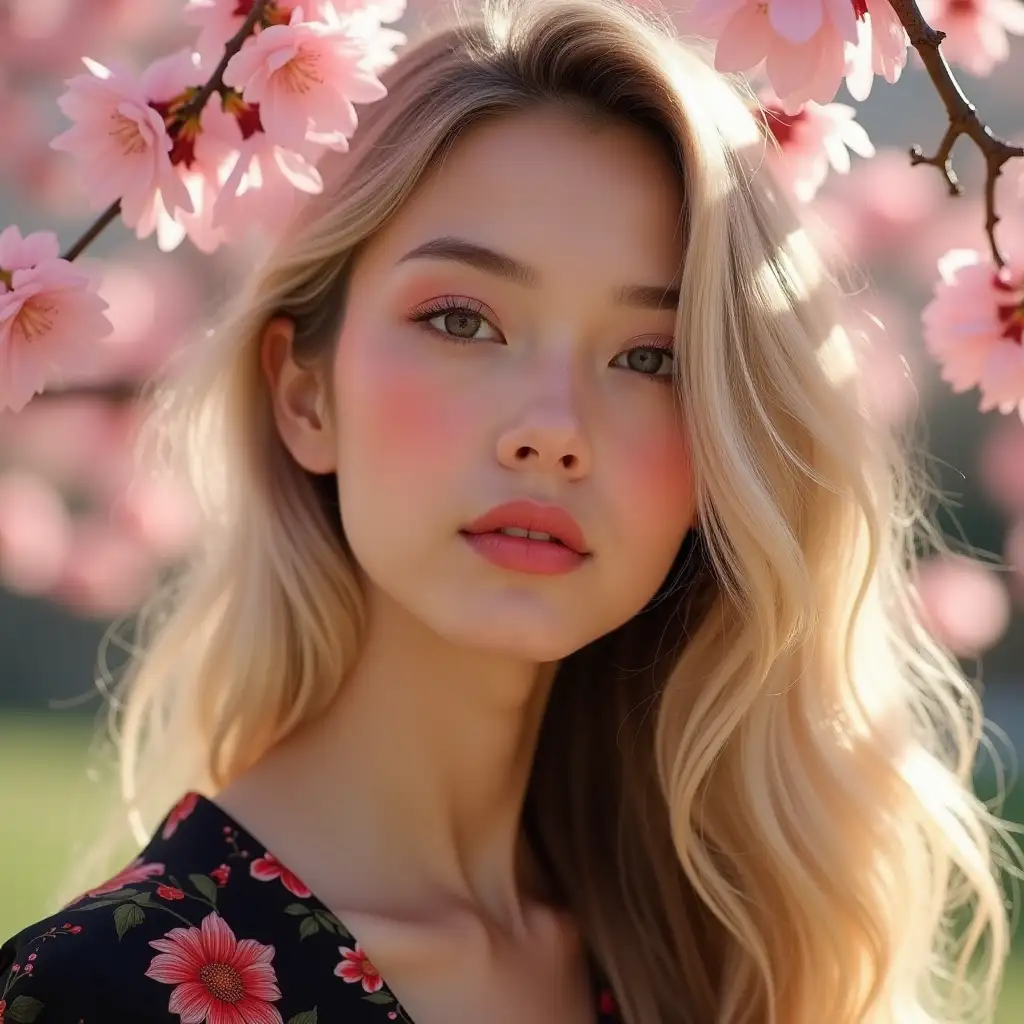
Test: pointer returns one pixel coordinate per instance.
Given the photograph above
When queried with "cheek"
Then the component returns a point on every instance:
(397, 412)
(656, 485)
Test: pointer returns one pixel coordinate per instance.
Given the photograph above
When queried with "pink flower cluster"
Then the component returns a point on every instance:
(975, 30)
(974, 327)
(213, 172)
(49, 315)
(807, 46)
(182, 158)
(811, 141)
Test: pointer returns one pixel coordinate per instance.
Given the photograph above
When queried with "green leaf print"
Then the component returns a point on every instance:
(126, 917)
(309, 1017)
(308, 927)
(380, 998)
(332, 924)
(23, 1010)
(297, 909)
(206, 886)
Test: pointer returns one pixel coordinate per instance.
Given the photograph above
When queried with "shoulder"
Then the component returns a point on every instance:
(134, 947)
(138, 951)
(87, 964)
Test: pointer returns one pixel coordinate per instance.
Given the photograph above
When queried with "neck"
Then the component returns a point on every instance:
(418, 774)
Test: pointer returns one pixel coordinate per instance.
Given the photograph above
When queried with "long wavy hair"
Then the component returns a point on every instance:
(755, 797)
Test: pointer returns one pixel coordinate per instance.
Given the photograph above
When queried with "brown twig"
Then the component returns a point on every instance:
(963, 119)
(112, 392)
(193, 108)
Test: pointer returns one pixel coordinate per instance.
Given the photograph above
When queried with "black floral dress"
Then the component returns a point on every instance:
(205, 926)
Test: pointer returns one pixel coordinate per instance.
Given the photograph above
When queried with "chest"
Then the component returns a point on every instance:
(432, 980)
(505, 994)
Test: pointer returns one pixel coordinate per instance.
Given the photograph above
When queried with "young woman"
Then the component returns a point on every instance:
(549, 655)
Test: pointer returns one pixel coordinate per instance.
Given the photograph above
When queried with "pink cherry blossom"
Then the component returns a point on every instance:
(881, 47)
(963, 603)
(261, 182)
(34, 533)
(807, 46)
(975, 30)
(107, 573)
(973, 326)
(1001, 464)
(160, 513)
(219, 20)
(882, 202)
(76, 443)
(811, 141)
(122, 146)
(50, 314)
(305, 76)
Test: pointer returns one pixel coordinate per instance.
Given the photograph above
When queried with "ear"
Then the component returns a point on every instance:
(300, 400)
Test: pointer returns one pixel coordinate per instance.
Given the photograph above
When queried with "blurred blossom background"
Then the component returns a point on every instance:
(84, 536)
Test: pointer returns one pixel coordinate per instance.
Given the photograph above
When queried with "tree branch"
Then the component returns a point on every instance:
(112, 392)
(963, 119)
(193, 108)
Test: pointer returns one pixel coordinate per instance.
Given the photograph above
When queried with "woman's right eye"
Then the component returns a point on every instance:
(458, 322)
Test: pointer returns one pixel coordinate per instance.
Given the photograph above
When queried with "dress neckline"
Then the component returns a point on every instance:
(604, 1003)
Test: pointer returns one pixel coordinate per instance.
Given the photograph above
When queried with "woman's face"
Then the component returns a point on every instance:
(508, 338)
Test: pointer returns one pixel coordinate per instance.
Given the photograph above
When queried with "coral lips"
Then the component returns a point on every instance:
(527, 537)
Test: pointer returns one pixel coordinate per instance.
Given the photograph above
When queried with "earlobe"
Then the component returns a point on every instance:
(298, 396)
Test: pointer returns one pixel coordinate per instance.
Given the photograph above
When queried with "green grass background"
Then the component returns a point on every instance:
(49, 809)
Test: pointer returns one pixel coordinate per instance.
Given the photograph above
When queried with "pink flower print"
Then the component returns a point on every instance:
(136, 872)
(974, 328)
(179, 813)
(218, 979)
(975, 30)
(268, 869)
(305, 76)
(50, 315)
(122, 146)
(355, 968)
(221, 875)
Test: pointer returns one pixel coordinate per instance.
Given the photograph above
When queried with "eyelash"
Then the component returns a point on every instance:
(455, 304)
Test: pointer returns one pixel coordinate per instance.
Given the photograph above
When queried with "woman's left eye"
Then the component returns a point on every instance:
(648, 360)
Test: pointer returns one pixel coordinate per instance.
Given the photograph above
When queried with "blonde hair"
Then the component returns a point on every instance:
(755, 797)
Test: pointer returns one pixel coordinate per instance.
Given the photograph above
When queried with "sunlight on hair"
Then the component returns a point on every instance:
(770, 821)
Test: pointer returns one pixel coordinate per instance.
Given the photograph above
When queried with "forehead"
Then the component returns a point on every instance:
(556, 191)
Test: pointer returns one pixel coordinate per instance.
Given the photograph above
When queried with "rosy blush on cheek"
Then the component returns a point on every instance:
(406, 414)
(658, 477)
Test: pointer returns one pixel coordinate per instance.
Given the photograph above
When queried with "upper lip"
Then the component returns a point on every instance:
(531, 515)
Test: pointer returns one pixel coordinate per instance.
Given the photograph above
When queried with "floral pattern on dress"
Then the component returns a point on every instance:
(205, 926)
(216, 977)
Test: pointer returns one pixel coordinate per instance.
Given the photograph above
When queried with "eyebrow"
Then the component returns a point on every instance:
(472, 254)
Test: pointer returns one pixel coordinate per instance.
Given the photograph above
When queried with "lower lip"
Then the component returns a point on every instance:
(521, 554)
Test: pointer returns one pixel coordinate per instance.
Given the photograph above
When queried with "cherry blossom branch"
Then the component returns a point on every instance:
(113, 392)
(963, 119)
(193, 108)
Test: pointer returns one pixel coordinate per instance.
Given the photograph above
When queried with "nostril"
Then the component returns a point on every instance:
(525, 452)
(569, 461)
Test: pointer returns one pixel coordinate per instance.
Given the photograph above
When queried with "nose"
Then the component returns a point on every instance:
(547, 438)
